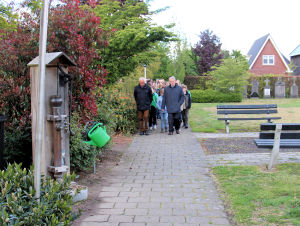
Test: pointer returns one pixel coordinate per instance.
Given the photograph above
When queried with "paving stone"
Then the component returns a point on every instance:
(112, 211)
(126, 205)
(199, 220)
(114, 199)
(172, 219)
(129, 194)
(136, 212)
(109, 194)
(160, 212)
(120, 219)
(105, 205)
(96, 218)
(148, 219)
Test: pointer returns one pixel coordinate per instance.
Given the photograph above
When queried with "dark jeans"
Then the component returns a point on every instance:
(174, 120)
(185, 116)
(152, 119)
(143, 120)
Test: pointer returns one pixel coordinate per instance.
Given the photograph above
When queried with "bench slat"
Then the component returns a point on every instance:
(293, 143)
(264, 118)
(267, 106)
(225, 112)
(285, 126)
(284, 135)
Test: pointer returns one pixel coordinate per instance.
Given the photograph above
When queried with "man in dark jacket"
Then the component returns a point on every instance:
(143, 98)
(173, 99)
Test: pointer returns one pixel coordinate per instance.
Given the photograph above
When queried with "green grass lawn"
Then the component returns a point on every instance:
(204, 118)
(258, 197)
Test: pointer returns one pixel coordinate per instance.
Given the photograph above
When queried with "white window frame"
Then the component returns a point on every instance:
(268, 57)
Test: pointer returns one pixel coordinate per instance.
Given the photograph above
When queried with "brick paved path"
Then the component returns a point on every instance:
(161, 180)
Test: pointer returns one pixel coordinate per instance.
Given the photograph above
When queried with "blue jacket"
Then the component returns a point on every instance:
(159, 103)
(173, 99)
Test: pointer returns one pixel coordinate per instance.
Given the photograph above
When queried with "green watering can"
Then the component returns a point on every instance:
(98, 136)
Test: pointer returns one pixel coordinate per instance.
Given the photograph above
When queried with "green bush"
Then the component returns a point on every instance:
(117, 110)
(213, 96)
(19, 207)
(17, 145)
(231, 73)
(82, 155)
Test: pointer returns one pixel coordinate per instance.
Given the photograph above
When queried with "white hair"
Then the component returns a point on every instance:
(142, 79)
(172, 77)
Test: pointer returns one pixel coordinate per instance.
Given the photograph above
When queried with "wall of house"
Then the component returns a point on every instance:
(296, 62)
(258, 68)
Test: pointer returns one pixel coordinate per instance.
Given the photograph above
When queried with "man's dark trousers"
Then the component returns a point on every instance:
(174, 120)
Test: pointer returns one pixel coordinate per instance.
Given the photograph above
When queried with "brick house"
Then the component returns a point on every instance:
(265, 58)
(295, 58)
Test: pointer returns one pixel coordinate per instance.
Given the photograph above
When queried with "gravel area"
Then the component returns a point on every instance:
(213, 146)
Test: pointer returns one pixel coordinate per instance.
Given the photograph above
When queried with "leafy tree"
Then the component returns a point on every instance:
(184, 64)
(208, 52)
(72, 30)
(131, 36)
(232, 74)
(8, 19)
(166, 65)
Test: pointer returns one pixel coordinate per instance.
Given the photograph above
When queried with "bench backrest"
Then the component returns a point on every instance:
(289, 131)
(247, 109)
(285, 126)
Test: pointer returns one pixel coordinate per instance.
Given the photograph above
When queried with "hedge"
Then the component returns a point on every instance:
(213, 96)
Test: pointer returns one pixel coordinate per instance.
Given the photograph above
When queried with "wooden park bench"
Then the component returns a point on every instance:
(278, 136)
(246, 110)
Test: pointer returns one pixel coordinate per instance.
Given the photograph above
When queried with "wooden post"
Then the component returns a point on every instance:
(227, 124)
(276, 146)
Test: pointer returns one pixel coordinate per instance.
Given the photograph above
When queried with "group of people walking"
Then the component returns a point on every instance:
(168, 101)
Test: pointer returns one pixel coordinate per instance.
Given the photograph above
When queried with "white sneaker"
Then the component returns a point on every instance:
(155, 127)
(151, 128)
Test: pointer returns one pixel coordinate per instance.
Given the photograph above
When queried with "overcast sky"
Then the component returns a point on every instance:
(238, 23)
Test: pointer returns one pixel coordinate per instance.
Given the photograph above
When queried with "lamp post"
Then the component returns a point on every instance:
(41, 107)
(145, 69)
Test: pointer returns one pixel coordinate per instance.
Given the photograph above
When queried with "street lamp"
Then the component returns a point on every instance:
(145, 69)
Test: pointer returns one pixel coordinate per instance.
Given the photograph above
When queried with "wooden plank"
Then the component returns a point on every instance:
(224, 112)
(263, 118)
(284, 135)
(268, 143)
(267, 106)
(285, 126)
